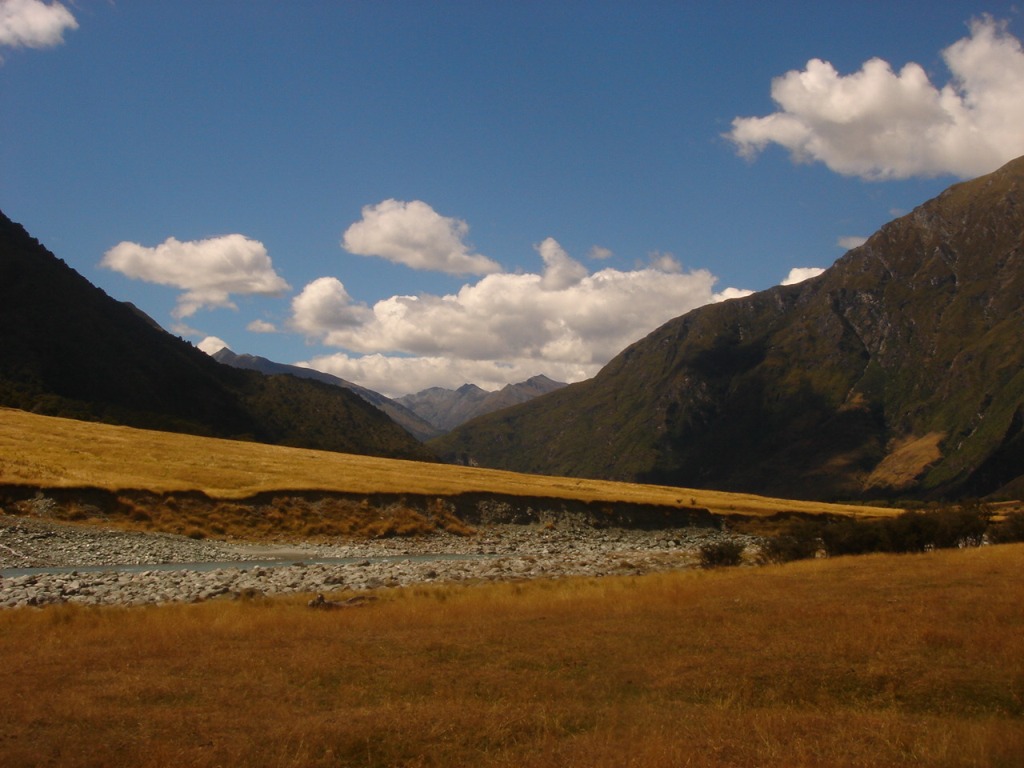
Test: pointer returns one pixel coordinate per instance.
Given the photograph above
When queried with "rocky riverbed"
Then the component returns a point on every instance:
(44, 562)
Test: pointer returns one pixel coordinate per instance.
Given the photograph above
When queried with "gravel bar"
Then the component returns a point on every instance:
(44, 562)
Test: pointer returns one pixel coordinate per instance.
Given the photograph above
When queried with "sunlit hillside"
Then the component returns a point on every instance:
(52, 452)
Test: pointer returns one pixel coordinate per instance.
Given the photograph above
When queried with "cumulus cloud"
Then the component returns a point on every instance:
(414, 234)
(850, 242)
(211, 345)
(33, 23)
(732, 293)
(561, 271)
(880, 124)
(209, 271)
(799, 274)
(665, 262)
(261, 326)
(599, 253)
(563, 322)
(324, 307)
(395, 376)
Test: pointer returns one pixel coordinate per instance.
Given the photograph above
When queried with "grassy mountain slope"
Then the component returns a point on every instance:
(68, 349)
(899, 371)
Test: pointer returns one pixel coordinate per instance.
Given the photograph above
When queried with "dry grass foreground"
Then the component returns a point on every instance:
(52, 452)
(880, 660)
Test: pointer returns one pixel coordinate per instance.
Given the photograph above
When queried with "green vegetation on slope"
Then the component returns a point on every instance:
(811, 390)
(70, 350)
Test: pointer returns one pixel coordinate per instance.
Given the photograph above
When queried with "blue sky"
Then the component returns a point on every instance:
(414, 194)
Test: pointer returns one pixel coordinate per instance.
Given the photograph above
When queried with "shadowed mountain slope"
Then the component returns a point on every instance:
(397, 412)
(68, 349)
(446, 409)
(899, 371)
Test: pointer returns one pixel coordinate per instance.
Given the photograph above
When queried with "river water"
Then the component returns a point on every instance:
(243, 565)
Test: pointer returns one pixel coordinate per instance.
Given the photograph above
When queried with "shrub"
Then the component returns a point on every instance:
(849, 537)
(1010, 528)
(721, 553)
(912, 531)
(961, 526)
(941, 528)
(800, 542)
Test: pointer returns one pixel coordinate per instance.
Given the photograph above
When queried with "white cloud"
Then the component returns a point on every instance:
(211, 345)
(261, 326)
(395, 376)
(799, 274)
(732, 293)
(564, 323)
(850, 242)
(599, 253)
(665, 262)
(186, 331)
(324, 307)
(414, 234)
(560, 270)
(879, 124)
(209, 271)
(33, 23)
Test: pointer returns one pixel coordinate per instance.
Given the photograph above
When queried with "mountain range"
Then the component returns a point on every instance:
(446, 409)
(897, 372)
(69, 349)
(425, 414)
(405, 417)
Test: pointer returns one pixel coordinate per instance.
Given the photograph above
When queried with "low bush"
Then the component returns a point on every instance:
(801, 541)
(850, 537)
(965, 525)
(912, 531)
(721, 553)
(1009, 529)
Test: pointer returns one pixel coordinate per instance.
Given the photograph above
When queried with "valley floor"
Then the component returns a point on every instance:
(46, 561)
(846, 662)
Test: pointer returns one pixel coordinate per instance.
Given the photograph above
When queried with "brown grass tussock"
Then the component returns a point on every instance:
(913, 660)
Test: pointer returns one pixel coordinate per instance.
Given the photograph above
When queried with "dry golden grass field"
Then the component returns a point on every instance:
(881, 660)
(60, 453)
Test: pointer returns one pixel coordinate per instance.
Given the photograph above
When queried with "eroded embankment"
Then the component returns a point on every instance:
(304, 514)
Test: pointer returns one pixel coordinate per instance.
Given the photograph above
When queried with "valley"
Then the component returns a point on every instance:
(55, 453)
(511, 385)
(877, 660)
(44, 562)
(86, 495)
(172, 529)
